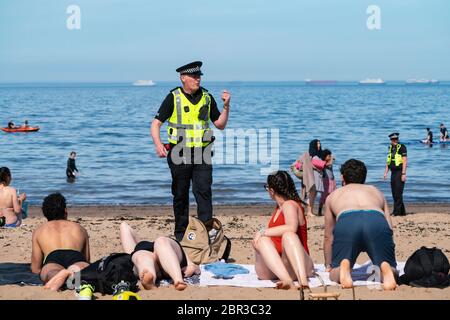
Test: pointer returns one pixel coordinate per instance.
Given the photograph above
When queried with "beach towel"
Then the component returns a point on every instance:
(225, 270)
(18, 273)
(361, 275)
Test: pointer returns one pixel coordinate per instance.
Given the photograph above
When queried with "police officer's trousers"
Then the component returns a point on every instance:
(201, 176)
(397, 186)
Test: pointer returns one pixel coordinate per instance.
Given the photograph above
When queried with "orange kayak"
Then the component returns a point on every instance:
(21, 129)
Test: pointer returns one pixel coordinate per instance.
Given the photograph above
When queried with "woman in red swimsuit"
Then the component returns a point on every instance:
(282, 249)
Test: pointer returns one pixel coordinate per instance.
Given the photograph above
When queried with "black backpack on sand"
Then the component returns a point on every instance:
(107, 272)
(428, 268)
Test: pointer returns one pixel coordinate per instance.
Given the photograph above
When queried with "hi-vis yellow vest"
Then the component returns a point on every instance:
(184, 121)
(398, 160)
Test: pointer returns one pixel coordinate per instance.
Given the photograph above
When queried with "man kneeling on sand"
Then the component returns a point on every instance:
(60, 247)
(357, 220)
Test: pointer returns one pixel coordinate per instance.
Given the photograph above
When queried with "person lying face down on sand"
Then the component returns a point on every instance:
(60, 247)
(281, 250)
(357, 220)
(10, 203)
(157, 260)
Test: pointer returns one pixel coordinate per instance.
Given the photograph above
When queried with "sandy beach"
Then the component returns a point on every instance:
(427, 225)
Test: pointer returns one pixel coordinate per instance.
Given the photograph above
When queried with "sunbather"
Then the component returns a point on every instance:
(282, 249)
(59, 247)
(357, 220)
(156, 260)
(10, 203)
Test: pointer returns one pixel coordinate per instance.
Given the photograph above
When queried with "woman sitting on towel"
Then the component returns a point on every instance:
(282, 249)
(10, 203)
(157, 260)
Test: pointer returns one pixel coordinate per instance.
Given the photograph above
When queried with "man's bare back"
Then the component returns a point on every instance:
(57, 235)
(10, 207)
(357, 197)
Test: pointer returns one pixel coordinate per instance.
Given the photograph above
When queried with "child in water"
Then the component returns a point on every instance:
(71, 167)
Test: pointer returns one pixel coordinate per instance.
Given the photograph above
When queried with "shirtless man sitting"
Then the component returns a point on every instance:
(357, 220)
(60, 247)
(10, 203)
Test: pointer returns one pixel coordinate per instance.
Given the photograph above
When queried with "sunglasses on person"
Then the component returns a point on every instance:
(266, 187)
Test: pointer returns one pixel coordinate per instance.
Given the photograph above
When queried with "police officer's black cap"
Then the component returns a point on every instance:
(192, 68)
(394, 135)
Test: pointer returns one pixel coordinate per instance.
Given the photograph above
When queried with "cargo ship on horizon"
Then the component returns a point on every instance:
(422, 82)
(372, 82)
(144, 83)
(320, 82)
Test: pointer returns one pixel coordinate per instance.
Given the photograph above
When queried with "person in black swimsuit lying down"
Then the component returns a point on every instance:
(162, 258)
(59, 247)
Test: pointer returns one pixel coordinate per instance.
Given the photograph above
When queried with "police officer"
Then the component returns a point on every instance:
(397, 163)
(189, 109)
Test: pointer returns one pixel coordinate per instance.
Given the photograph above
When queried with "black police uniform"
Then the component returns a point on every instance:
(397, 185)
(182, 174)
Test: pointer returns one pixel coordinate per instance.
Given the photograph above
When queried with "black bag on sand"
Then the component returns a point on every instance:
(107, 272)
(427, 268)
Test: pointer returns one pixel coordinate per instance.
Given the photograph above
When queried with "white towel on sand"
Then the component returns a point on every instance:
(361, 275)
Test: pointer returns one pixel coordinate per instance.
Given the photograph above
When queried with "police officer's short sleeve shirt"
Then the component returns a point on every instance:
(166, 108)
(403, 151)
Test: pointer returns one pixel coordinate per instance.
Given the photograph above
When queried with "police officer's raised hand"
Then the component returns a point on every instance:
(161, 150)
(226, 96)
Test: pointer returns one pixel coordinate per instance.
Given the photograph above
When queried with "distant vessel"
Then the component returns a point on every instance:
(144, 83)
(372, 82)
(320, 82)
(421, 82)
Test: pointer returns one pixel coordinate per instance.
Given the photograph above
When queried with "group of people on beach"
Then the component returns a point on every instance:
(321, 177)
(357, 217)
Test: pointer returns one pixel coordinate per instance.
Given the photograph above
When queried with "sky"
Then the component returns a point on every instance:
(238, 40)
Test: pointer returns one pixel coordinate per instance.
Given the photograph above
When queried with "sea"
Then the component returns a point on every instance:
(108, 125)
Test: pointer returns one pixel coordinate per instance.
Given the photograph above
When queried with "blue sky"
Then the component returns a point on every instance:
(125, 40)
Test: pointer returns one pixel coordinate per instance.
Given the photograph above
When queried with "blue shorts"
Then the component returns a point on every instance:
(359, 231)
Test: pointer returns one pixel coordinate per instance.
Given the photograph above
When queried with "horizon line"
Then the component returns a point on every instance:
(177, 80)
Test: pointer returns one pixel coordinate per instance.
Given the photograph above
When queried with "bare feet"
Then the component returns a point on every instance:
(310, 214)
(190, 270)
(284, 285)
(57, 281)
(345, 274)
(147, 280)
(387, 275)
(180, 285)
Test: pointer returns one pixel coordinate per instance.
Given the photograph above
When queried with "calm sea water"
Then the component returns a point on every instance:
(108, 125)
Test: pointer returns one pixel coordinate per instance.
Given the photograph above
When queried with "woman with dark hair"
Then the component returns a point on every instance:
(315, 152)
(10, 203)
(282, 248)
